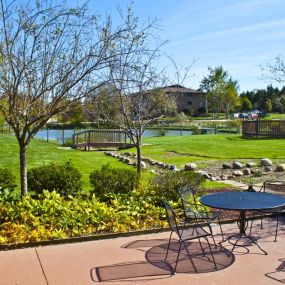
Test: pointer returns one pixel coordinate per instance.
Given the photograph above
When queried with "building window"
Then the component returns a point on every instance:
(189, 103)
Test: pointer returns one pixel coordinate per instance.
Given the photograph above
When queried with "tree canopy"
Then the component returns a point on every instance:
(222, 90)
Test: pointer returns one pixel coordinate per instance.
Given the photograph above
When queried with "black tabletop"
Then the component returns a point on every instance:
(243, 200)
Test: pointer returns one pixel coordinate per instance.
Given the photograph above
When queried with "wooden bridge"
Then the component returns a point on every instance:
(91, 139)
(273, 129)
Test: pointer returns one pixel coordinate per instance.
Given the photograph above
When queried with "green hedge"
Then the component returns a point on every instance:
(7, 179)
(109, 180)
(64, 179)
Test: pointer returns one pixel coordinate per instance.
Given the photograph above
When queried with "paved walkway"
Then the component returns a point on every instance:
(140, 260)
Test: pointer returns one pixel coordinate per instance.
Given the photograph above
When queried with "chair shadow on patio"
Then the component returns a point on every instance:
(279, 273)
(155, 266)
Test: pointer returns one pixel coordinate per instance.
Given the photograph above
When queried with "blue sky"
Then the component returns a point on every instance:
(240, 35)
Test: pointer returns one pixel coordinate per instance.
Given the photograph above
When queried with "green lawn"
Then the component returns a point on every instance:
(276, 116)
(41, 152)
(176, 150)
(182, 149)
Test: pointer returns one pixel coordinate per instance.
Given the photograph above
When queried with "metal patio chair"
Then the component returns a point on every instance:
(193, 210)
(274, 187)
(186, 234)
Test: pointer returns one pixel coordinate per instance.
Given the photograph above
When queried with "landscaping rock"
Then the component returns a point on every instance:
(238, 165)
(280, 167)
(127, 160)
(171, 166)
(267, 168)
(204, 174)
(160, 164)
(237, 173)
(226, 166)
(223, 177)
(213, 178)
(246, 171)
(152, 171)
(143, 165)
(250, 164)
(190, 166)
(266, 162)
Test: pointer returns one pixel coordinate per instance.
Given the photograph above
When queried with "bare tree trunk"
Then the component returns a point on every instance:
(23, 169)
(139, 158)
(227, 111)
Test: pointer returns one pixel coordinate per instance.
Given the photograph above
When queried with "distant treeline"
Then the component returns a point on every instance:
(270, 99)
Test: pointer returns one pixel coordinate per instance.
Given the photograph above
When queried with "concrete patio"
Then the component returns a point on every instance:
(140, 260)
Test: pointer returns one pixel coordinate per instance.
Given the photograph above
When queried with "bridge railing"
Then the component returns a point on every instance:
(274, 128)
(101, 138)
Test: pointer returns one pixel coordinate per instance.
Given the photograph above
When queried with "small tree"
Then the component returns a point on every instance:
(133, 112)
(221, 90)
(51, 57)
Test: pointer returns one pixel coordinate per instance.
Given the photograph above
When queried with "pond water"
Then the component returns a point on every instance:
(62, 136)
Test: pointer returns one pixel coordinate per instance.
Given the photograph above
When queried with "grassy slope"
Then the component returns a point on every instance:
(176, 150)
(41, 152)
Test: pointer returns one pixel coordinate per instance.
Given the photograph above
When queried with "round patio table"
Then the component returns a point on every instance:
(243, 202)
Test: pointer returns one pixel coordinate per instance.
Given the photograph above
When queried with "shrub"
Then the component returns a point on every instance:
(7, 179)
(166, 185)
(111, 180)
(64, 179)
(52, 216)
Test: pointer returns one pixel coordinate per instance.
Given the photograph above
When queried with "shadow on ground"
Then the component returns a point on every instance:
(155, 266)
(278, 274)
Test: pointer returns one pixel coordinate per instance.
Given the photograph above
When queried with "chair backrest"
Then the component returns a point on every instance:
(171, 218)
(189, 200)
(274, 187)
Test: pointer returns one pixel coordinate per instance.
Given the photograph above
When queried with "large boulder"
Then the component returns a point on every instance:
(246, 171)
(250, 164)
(266, 162)
(267, 168)
(238, 173)
(238, 165)
(226, 166)
(172, 167)
(190, 166)
(203, 173)
(143, 165)
(280, 167)
(127, 160)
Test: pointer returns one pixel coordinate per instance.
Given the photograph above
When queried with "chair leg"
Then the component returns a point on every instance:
(251, 223)
(276, 227)
(168, 245)
(211, 231)
(202, 249)
(211, 252)
(219, 221)
(180, 243)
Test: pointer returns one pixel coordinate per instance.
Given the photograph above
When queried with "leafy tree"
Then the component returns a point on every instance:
(221, 90)
(245, 104)
(74, 113)
(260, 98)
(230, 97)
(268, 106)
(52, 56)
